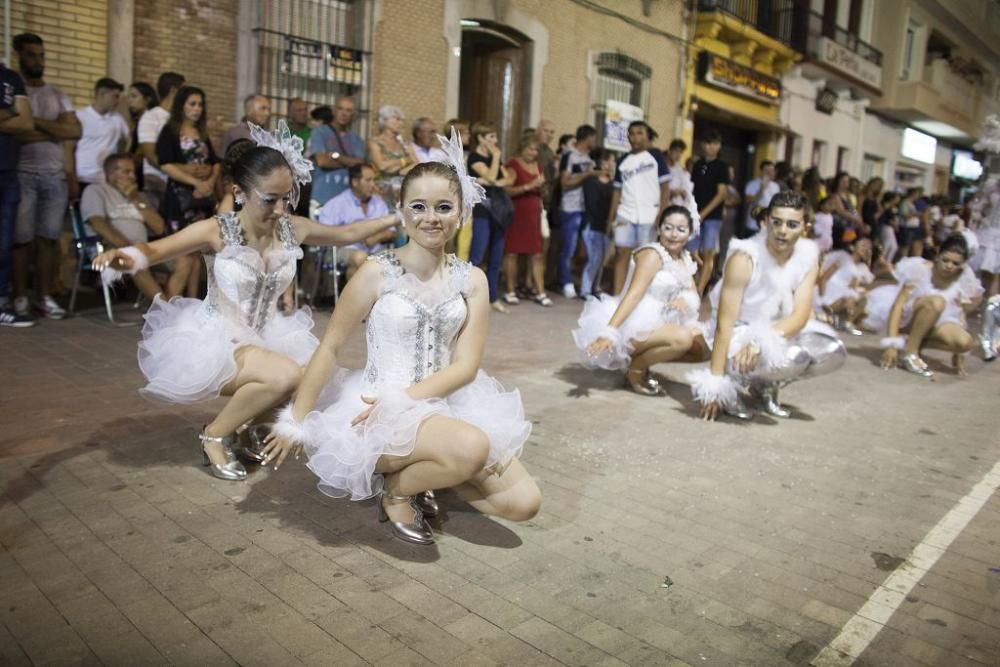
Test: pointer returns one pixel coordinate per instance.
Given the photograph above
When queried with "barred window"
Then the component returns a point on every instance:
(616, 76)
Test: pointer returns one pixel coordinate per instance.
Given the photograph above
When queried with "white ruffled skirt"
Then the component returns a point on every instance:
(988, 256)
(648, 316)
(344, 457)
(834, 291)
(187, 351)
(880, 302)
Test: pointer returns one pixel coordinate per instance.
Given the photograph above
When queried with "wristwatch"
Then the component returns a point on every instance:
(335, 155)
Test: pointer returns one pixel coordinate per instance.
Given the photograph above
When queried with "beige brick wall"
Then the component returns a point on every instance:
(411, 56)
(196, 38)
(76, 38)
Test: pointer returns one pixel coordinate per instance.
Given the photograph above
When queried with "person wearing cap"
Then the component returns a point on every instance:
(104, 132)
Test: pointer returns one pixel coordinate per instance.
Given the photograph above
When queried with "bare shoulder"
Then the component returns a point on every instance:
(477, 282)
(208, 232)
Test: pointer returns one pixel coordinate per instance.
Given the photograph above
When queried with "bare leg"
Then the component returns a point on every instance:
(705, 274)
(668, 343)
(926, 311)
(20, 257)
(622, 256)
(179, 278)
(510, 272)
(263, 379)
(193, 286)
(538, 273)
(447, 452)
(512, 495)
(951, 337)
(146, 283)
(47, 257)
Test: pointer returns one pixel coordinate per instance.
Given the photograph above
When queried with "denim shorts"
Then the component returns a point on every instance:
(708, 238)
(42, 211)
(632, 235)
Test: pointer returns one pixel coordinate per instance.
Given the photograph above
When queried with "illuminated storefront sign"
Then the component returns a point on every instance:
(736, 78)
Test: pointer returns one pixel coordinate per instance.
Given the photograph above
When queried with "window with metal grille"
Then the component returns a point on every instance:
(316, 50)
(616, 76)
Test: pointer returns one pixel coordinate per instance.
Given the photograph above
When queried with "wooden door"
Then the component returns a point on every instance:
(492, 87)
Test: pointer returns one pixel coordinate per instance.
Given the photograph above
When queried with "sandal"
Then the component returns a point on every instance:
(499, 307)
(542, 300)
(510, 298)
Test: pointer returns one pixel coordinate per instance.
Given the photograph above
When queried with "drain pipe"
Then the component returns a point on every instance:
(6, 32)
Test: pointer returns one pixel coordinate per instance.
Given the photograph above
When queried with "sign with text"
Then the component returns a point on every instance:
(842, 59)
(617, 116)
(736, 78)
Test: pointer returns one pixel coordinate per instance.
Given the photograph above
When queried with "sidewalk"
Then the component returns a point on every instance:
(118, 549)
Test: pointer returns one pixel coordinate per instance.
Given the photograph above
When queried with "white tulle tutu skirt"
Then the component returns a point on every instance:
(344, 457)
(879, 306)
(648, 316)
(186, 351)
(834, 291)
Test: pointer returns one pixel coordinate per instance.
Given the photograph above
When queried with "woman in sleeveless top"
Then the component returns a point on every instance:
(392, 155)
(761, 334)
(655, 320)
(421, 415)
(234, 343)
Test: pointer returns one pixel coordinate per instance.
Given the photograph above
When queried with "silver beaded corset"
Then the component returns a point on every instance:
(413, 326)
(243, 286)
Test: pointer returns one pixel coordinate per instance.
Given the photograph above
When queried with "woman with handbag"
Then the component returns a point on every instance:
(491, 219)
(185, 154)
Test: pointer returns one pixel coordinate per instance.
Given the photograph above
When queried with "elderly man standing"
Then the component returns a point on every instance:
(425, 143)
(335, 148)
(257, 110)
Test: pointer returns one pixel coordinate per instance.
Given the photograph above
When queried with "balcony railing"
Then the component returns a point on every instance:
(813, 25)
(772, 19)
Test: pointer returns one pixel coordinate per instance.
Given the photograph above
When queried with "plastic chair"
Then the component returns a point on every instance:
(326, 264)
(89, 246)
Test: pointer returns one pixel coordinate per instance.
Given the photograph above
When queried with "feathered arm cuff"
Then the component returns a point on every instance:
(288, 428)
(709, 388)
(893, 343)
(140, 262)
(762, 335)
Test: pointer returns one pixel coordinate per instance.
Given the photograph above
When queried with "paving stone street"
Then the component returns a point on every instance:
(662, 540)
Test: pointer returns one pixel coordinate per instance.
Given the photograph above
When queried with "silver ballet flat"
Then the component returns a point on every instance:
(649, 386)
(768, 395)
(254, 451)
(232, 470)
(428, 503)
(912, 363)
(416, 531)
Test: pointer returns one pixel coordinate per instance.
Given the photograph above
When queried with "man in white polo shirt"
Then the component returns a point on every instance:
(758, 194)
(104, 132)
(154, 181)
(642, 191)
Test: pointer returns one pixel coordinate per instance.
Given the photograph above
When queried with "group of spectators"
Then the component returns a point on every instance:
(557, 212)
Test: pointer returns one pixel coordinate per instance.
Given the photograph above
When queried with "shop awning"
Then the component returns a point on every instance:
(713, 112)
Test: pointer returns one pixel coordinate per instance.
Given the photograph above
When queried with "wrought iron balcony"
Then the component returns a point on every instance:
(772, 19)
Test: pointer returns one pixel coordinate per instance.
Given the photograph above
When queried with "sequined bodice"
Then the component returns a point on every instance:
(413, 326)
(671, 280)
(243, 286)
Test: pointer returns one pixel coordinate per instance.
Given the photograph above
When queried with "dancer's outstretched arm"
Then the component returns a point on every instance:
(802, 307)
(647, 264)
(313, 233)
(201, 236)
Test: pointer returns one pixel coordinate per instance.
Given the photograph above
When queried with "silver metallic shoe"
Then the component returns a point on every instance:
(649, 386)
(428, 503)
(989, 349)
(991, 324)
(912, 363)
(739, 411)
(768, 395)
(232, 470)
(254, 451)
(846, 326)
(416, 531)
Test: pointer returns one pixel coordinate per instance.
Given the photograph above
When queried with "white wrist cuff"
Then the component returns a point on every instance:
(707, 387)
(771, 344)
(140, 262)
(893, 343)
(289, 429)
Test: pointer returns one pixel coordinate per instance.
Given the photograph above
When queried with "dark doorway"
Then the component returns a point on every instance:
(495, 80)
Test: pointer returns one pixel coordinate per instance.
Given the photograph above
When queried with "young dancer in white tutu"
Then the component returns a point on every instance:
(421, 415)
(235, 343)
(928, 304)
(655, 319)
(844, 276)
(762, 335)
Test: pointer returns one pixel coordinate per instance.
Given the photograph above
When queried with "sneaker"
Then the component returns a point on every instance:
(569, 291)
(10, 318)
(50, 308)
